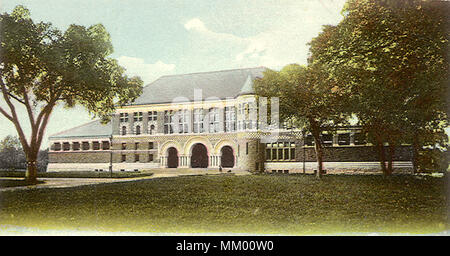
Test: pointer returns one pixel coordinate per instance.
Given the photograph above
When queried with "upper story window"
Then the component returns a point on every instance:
(137, 116)
(241, 108)
(85, 145)
(123, 117)
(124, 130)
(76, 146)
(105, 145)
(168, 122)
(56, 146)
(150, 145)
(152, 116)
(66, 146)
(213, 115)
(198, 121)
(95, 145)
(152, 129)
(138, 130)
(230, 119)
(124, 146)
(183, 121)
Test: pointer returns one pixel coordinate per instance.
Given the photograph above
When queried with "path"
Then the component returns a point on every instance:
(75, 182)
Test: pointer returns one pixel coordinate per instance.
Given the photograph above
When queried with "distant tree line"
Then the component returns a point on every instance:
(12, 156)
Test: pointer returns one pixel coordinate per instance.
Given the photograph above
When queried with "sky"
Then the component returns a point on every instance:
(154, 38)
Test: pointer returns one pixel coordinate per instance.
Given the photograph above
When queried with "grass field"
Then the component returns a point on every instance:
(269, 204)
(76, 174)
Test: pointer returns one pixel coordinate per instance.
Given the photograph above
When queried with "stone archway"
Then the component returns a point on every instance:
(199, 156)
(172, 157)
(226, 157)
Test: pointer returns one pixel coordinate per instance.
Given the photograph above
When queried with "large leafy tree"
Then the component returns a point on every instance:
(393, 58)
(308, 98)
(42, 66)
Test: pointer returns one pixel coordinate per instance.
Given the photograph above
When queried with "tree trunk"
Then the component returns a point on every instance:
(415, 147)
(31, 173)
(317, 147)
(390, 169)
(382, 157)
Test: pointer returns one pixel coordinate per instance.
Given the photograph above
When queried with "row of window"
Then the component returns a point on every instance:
(96, 145)
(280, 151)
(342, 139)
(136, 158)
(138, 130)
(178, 121)
(136, 145)
(66, 146)
(138, 116)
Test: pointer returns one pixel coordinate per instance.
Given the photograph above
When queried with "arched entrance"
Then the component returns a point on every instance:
(226, 157)
(199, 156)
(172, 158)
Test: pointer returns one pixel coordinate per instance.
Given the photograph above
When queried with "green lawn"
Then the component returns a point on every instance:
(6, 183)
(271, 204)
(77, 174)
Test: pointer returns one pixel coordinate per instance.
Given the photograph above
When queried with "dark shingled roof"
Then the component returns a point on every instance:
(91, 129)
(216, 84)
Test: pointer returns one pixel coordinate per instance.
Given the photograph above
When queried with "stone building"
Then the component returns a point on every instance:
(206, 120)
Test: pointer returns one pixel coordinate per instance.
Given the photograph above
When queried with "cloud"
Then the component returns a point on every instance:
(147, 71)
(283, 42)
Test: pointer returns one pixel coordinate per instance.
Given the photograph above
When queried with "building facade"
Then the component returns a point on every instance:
(206, 120)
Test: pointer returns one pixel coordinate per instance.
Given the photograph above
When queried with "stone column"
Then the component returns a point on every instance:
(160, 122)
(221, 119)
(145, 122)
(335, 139)
(352, 138)
(206, 120)
(131, 123)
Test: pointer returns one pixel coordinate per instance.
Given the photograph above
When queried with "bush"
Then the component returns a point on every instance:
(432, 160)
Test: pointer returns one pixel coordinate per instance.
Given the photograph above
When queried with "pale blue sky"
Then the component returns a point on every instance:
(154, 38)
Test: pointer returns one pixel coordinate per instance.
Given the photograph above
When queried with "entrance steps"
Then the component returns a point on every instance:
(171, 172)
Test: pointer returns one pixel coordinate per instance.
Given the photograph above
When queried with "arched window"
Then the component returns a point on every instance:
(138, 130)
(152, 129)
(124, 130)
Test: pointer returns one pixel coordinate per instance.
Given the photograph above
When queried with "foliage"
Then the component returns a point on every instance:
(256, 204)
(42, 66)
(433, 160)
(11, 153)
(393, 58)
(307, 97)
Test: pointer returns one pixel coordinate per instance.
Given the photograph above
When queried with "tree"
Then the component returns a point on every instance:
(308, 98)
(41, 67)
(393, 58)
(11, 153)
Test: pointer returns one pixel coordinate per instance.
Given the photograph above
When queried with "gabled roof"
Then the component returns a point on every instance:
(91, 129)
(217, 84)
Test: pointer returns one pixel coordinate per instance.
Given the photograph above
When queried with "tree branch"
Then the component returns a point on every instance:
(14, 119)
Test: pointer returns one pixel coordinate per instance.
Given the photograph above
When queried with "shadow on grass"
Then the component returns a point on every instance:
(8, 183)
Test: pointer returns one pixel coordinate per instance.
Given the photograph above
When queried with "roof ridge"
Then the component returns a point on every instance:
(73, 128)
(204, 72)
